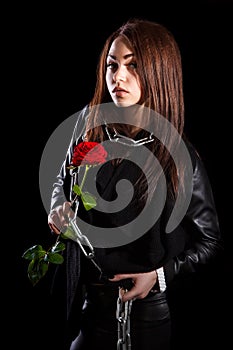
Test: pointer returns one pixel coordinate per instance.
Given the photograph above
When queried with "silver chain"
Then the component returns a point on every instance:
(123, 318)
(123, 308)
(83, 240)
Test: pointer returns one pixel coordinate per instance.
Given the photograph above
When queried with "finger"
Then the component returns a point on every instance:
(120, 277)
(53, 220)
(66, 208)
(67, 211)
(132, 294)
(54, 229)
(57, 221)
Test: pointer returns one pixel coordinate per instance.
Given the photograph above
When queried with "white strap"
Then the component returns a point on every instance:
(161, 279)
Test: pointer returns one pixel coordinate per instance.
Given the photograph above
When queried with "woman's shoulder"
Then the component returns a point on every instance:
(83, 113)
(199, 168)
(80, 121)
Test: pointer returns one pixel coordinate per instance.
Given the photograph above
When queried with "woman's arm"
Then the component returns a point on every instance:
(202, 226)
(62, 188)
(205, 243)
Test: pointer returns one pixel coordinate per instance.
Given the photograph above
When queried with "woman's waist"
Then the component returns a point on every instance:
(104, 292)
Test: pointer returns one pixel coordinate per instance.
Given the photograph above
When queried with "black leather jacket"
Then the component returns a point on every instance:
(194, 243)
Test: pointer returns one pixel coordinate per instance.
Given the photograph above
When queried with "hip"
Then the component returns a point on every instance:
(101, 302)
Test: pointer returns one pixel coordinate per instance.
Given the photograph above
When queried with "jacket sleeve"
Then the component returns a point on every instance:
(63, 184)
(69, 273)
(201, 226)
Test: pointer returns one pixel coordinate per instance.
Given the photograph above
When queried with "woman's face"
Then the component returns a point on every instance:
(121, 74)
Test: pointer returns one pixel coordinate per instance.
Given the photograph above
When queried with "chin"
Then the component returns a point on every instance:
(123, 104)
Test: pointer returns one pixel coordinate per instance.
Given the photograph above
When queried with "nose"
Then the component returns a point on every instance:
(120, 75)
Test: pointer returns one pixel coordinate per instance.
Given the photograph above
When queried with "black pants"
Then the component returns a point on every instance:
(149, 321)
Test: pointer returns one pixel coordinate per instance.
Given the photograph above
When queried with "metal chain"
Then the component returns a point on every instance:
(83, 240)
(123, 318)
(123, 308)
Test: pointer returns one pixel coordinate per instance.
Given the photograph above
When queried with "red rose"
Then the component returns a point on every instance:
(88, 153)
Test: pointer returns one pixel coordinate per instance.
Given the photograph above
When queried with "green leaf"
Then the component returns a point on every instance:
(88, 200)
(69, 234)
(77, 190)
(55, 258)
(40, 260)
(34, 252)
(36, 270)
(58, 247)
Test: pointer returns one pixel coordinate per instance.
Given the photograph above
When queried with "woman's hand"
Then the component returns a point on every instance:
(142, 284)
(58, 218)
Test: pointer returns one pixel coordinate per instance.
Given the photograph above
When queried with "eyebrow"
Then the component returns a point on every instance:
(125, 57)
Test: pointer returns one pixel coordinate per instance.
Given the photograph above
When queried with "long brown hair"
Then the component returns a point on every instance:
(160, 73)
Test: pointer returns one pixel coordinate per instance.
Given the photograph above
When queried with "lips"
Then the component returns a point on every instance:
(119, 92)
(118, 89)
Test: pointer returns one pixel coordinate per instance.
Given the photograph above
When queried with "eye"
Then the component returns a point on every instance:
(133, 65)
(112, 65)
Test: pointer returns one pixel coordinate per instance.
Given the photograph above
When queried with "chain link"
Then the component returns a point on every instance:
(123, 318)
(83, 240)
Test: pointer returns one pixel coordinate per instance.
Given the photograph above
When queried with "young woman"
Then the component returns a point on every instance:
(137, 113)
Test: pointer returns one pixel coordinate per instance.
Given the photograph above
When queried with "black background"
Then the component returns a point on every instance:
(52, 53)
